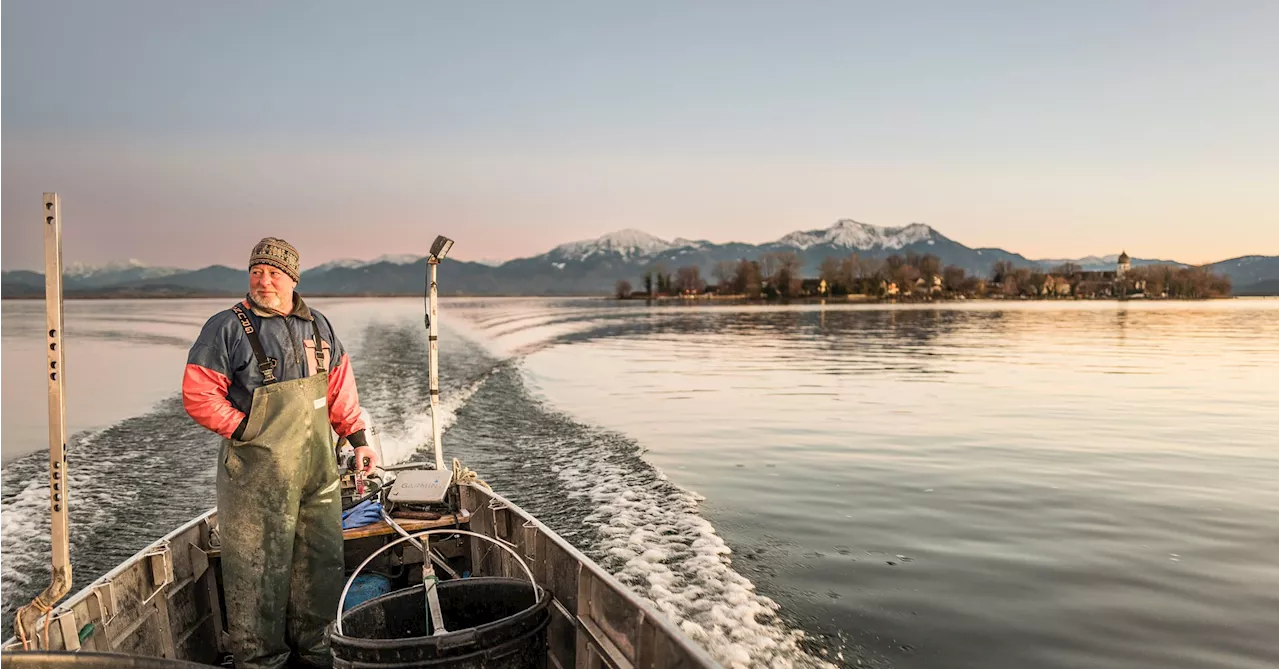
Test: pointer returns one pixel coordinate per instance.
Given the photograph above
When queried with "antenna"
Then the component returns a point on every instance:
(439, 249)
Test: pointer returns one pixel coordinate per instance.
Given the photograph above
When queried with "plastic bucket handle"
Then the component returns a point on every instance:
(537, 591)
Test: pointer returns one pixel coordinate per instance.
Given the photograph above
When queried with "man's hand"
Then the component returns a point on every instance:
(366, 459)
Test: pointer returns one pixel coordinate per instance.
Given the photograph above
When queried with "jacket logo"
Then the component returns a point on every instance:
(244, 321)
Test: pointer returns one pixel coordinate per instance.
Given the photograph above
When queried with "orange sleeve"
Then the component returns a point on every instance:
(204, 396)
(344, 402)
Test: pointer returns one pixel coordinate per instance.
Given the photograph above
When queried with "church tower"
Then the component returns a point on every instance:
(1122, 265)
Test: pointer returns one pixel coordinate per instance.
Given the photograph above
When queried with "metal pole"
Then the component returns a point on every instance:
(27, 616)
(429, 580)
(433, 364)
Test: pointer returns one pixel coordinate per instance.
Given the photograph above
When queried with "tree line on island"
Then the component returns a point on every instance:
(777, 275)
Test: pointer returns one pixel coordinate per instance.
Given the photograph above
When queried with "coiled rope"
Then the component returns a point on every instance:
(463, 474)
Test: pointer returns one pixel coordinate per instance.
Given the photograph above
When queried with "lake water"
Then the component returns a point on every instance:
(977, 485)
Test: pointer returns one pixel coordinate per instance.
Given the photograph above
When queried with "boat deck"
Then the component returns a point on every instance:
(382, 528)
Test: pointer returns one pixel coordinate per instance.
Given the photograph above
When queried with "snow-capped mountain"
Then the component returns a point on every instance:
(127, 270)
(352, 263)
(348, 263)
(81, 276)
(851, 234)
(397, 259)
(627, 254)
(634, 244)
(682, 243)
(629, 243)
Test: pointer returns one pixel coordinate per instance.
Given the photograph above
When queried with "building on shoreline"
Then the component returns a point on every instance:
(1107, 283)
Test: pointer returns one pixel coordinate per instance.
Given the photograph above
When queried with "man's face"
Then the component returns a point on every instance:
(271, 287)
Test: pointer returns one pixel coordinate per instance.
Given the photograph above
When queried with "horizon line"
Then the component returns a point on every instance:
(500, 263)
(490, 262)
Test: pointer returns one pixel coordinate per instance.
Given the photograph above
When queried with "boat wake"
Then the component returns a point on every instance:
(136, 480)
(594, 488)
(128, 485)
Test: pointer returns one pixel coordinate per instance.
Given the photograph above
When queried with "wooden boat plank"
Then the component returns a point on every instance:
(561, 576)
(96, 613)
(657, 651)
(56, 632)
(483, 560)
(529, 549)
(562, 634)
(142, 635)
(183, 612)
(132, 586)
(502, 530)
(167, 646)
(196, 644)
(511, 530)
(191, 617)
(595, 649)
(611, 614)
(209, 582)
(382, 528)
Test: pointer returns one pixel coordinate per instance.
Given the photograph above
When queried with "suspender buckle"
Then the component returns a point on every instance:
(265, 365)
(268, 370)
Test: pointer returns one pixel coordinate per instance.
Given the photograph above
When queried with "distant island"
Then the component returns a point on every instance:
(914, 277)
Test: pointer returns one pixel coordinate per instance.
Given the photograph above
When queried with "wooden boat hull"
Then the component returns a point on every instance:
(165, 601)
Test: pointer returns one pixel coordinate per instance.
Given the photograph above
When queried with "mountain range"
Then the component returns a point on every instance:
(590, 267)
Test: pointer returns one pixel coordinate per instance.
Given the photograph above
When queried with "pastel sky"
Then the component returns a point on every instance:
(179, 133)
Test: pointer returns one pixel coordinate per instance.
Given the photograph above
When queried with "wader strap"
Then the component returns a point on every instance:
(265, 365)
(320, 367)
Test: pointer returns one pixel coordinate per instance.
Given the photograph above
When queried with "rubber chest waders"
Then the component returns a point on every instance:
(280, 519)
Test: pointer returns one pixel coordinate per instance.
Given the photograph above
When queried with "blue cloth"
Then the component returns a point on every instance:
(362, 514)
(366, 587)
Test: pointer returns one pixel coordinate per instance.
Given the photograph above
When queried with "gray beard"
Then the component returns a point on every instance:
(275, 304)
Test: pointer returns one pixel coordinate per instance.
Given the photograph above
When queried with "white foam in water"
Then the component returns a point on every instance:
(20, 524)
(24, 521)
(402, 443)
(657, 544)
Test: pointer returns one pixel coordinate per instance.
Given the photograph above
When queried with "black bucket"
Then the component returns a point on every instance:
(495, 624)
(87, 660)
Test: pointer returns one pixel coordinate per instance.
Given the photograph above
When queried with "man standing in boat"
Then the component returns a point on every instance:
(270, 376)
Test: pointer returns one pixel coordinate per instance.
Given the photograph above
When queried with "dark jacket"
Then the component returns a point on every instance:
(221, 373)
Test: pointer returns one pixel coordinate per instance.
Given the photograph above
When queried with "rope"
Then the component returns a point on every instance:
(463, 474)
(44, 608)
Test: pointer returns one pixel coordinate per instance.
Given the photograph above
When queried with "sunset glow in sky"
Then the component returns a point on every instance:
(181, 133)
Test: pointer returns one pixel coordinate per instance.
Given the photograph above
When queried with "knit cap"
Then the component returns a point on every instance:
(278, 253)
